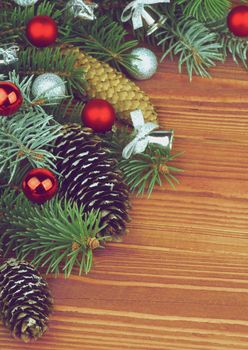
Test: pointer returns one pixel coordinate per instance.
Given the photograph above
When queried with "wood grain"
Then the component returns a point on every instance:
(179, 281)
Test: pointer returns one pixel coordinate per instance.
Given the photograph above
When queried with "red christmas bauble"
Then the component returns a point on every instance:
(10, 98)
(42, 31)
(237, 21)
(98, 115)
(39, 185)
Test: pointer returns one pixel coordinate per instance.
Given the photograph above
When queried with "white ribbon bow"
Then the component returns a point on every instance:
(82, 10)
(8, 53)
(141, 140)
(136, 10)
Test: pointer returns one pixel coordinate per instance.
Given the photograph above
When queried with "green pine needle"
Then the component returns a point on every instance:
(230, 44)
(34, 61)
(205, 10)
(68, 111)
(13, 20)
(105, 40)
(26, 137)
(196, 47)
(31, 102)
(145, 170)
(148, 169)
(55, 235)
(192, 42)
(237, 47)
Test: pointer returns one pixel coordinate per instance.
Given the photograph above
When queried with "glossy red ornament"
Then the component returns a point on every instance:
(10, 98)
(42, 31)
(98, 115)
(237, 21)
(39, 185)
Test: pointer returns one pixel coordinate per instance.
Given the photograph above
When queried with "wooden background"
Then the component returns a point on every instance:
(179, 279)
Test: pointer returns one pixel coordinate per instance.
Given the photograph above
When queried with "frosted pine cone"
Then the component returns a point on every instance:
(91, 178)
(25, 301)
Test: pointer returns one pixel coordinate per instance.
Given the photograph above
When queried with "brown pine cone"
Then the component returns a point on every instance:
(25, 301)
(90, 177)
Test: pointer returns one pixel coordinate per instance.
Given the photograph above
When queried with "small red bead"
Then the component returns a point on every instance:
(39, 185)
(237, 21)
(10, 98)
(42, 31)
(98, 115)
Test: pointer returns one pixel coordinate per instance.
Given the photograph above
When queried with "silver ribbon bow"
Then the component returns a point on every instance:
(145, 135)
(8, 54)
(136, 10)
(80, 9)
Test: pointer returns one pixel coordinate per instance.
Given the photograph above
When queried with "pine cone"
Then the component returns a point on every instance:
(91, 178)
(107, 83)
(25, 300)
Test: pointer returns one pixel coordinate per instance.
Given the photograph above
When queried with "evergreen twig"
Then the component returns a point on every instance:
(14, 19)
(105, 40)
(205, 10)
(68, 111)
(194, 44)
(26, 136)
(35, 62)
(145, 170)
(30, 102)
(57, 235)
(237, 47)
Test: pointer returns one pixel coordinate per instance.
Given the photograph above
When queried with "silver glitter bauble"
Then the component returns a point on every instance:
(145, 63)
(25, 2)
(50, 86)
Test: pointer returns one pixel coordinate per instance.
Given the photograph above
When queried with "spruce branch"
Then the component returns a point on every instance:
(112, 7)
(237, 47)
(68, 111)
(204, 10)
(57, 235)
(13, 20)
(33, 61)
(195, 46)
(26, 137)
(105, 40)
(230, 44)
(30, 102)
(145, 170)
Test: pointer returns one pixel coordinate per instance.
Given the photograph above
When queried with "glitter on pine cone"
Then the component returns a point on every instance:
(25, 300)
(105, 82)
(91, 178)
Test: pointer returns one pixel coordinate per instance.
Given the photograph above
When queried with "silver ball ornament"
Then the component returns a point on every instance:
(25, 2)
(50, 86)
(145, 63)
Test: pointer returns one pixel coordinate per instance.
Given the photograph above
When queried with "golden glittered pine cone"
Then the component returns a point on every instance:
(107, 83)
